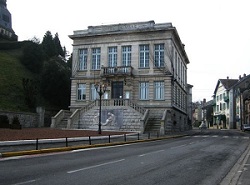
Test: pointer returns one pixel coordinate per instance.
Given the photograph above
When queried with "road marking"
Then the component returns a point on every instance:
(26, 182)
(95, 166)
(142, 155)
(178, 146)
(226, 137)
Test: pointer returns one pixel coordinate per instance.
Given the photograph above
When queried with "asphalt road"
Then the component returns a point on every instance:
(195, 160)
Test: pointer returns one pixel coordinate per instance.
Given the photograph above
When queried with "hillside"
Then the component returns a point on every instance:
(11, 74)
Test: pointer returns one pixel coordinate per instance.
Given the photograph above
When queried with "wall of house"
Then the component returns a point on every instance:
(174, 73)
(140, 74)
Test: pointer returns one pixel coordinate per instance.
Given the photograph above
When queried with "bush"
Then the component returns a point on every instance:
(4, 121)
(15, 123)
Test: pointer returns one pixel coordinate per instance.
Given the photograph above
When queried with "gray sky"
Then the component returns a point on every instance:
(216, 33)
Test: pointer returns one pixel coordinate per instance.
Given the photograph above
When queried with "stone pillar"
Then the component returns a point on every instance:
(40, 111)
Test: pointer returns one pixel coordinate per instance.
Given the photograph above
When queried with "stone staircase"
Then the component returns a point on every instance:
(122, 116)
(127, 119)
(63, 123)
(154, 122)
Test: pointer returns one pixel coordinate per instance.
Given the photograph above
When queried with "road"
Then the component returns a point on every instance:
(203, 159)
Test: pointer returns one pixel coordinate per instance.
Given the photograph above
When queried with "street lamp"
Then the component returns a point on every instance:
(100, 89)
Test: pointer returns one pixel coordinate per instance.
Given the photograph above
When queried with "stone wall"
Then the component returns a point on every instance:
(26, 119)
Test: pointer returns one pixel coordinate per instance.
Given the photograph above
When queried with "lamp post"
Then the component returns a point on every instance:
(100, 89)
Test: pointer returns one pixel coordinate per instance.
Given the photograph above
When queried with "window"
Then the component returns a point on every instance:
(93, 93)
(81, 92)
(159, 90)
(224, 106)
(82, 59)
(144, 88)
(159, 55)
(126, 55)
(96, 58)
(144, 56)
(112, 60)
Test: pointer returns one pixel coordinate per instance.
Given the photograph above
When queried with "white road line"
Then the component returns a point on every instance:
(26, 182)
(151, 153)
(178, 146)
(95, 166)
(215, 136)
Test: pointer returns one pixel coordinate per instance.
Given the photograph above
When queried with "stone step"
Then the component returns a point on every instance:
(62, 124)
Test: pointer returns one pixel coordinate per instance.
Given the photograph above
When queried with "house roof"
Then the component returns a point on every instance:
(227, 83)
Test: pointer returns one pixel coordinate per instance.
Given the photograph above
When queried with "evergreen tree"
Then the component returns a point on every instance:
(48, 45)
(58, 47)
(33, 56)
(55, 82)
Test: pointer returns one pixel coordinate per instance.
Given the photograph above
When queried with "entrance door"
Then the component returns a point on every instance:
(117, 90)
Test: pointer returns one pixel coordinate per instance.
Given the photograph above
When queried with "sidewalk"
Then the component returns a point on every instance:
(29, 147)
(240, 173)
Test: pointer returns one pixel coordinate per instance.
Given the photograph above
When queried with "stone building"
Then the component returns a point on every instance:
(143, 68)
(6, 31)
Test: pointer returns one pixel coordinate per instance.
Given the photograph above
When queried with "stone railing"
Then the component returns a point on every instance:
(121, 102)
(75, 117)
(144, 120)
(117, 70)
(58, 118)
(163, 123)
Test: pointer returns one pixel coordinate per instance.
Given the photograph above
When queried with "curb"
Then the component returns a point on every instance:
(70, 148)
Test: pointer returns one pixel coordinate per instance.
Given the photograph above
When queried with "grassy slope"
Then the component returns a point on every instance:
(11, 74)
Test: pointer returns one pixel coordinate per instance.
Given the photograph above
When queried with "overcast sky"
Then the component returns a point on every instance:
(216, 33)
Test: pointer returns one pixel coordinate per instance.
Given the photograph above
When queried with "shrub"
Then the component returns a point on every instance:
(15, 123)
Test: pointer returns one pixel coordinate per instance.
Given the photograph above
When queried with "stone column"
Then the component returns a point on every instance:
(40, 111)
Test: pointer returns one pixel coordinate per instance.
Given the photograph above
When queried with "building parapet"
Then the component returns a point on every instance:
(102, 29)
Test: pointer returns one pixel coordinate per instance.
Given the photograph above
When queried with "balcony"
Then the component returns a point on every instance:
(117, 71)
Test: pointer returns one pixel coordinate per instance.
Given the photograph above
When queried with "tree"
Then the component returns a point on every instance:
(33, 56)
(49, 45)
(55, 82)
(30, 92)
(58, 48)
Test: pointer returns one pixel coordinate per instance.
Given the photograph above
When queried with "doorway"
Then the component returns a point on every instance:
(117, 90)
